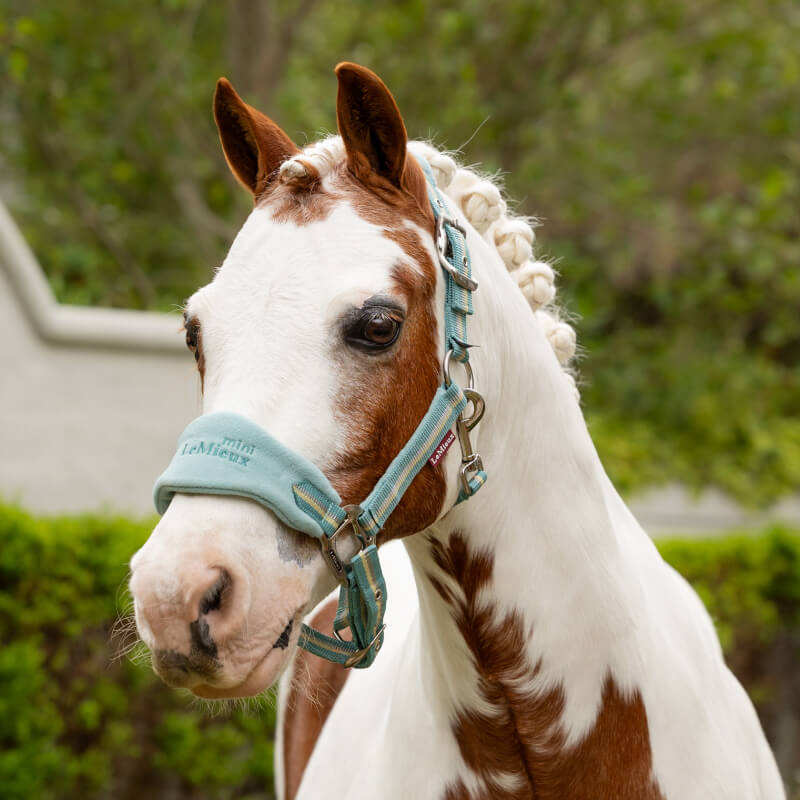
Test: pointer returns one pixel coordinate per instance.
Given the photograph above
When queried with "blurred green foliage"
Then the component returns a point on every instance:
(80, 720)
(656, 140)
(751, 587)
(749, 584)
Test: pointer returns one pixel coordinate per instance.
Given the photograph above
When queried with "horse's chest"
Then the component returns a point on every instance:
(481, 757)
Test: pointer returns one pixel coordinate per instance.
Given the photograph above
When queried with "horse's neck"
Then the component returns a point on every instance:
(514, 582)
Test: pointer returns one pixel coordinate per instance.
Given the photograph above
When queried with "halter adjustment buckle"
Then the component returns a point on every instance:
(328, 543)
(359, 654)
(443, 247)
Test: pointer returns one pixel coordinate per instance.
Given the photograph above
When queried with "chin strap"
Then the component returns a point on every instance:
(362, 603)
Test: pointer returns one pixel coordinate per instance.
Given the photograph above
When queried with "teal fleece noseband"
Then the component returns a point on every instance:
(227, 454)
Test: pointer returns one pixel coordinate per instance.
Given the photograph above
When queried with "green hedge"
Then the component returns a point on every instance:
(77, 720)
(751, 586)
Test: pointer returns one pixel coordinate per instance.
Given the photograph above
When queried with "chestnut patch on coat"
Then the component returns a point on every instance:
(316, 683)
(387, 406)
(518, 750)
(383, 408)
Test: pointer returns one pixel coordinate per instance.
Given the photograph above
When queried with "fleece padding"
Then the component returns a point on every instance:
(226, 453)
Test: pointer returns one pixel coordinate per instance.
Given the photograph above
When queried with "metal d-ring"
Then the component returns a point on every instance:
(448, 380)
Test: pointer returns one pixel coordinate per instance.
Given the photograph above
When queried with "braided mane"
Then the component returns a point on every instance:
(482, 203)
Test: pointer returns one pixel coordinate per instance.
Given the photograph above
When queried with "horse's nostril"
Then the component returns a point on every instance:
(212, 599)
(193, 612)
(202, 643)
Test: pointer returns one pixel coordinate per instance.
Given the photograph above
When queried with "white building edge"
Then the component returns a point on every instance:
(92, 402)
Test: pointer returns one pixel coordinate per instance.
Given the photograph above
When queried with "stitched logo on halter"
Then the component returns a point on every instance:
(443, 447)
(234, 450)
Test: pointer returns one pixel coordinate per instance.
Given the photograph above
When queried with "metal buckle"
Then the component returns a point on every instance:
(359, 654)
(442, 246)
(328, 543)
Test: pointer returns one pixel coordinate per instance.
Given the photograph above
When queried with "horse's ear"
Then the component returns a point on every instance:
(370, 124)
(253, 144)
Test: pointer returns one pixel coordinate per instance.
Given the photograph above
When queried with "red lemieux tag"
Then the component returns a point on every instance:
(442, 448)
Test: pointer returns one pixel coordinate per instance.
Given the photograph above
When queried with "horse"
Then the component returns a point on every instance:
(535, 645)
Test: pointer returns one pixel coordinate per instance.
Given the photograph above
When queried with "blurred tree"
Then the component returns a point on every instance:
(657, 140)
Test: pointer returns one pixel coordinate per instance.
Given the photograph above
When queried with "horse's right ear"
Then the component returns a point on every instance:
(253, 144)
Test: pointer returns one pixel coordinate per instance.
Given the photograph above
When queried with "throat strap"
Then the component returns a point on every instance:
(362, 604)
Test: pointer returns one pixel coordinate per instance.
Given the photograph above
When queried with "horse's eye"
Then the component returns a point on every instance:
(377, 329)
(381, 329)
(192, 331)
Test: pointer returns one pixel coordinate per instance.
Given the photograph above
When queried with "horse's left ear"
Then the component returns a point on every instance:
(370, 125)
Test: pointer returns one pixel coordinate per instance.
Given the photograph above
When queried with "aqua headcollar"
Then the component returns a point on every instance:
(226, 453)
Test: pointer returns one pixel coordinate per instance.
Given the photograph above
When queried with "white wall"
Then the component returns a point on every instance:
(92, 402)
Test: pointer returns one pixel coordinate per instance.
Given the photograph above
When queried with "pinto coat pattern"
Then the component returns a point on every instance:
(537, 646)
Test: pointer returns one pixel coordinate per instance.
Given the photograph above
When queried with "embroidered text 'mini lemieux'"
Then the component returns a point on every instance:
(234, 450)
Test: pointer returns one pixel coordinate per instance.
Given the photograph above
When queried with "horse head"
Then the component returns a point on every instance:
(322, 326)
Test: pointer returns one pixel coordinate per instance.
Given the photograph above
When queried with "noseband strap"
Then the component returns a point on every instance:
(227, 454)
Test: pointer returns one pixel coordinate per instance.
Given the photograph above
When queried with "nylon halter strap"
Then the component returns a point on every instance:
(228, 454)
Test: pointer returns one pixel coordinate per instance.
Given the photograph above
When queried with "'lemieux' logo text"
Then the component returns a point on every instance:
(234, 450)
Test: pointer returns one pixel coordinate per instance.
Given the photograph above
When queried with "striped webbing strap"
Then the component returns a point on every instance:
(458, 299)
